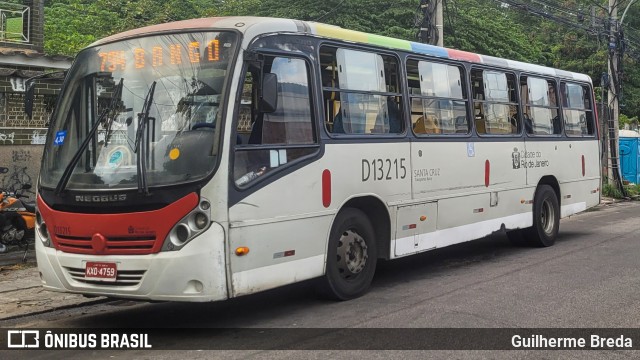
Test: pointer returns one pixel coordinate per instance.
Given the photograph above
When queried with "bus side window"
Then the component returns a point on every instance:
(274, 138)
(577, 110)
(361, 92)
(438, 99)
(495, 102)
(540, 106)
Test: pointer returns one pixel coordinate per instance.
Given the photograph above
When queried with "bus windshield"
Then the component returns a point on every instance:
(140, 111)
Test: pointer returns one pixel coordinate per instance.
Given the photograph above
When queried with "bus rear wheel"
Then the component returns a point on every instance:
(546, 220)
(351, 256)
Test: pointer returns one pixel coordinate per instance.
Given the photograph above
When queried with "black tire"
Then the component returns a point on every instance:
(546, 218)
(351, 256)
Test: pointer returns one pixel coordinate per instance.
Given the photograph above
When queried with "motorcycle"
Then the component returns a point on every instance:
(17, 219)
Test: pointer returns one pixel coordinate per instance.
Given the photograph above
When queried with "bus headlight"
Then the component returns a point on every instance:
(41, 227)
(190, 226)
(201, 220)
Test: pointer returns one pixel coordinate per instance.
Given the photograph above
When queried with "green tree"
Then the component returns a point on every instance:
(482, 26)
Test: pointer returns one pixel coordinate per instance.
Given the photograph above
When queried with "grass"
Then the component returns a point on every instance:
(611, 191)
(633, 191)
(13, 29)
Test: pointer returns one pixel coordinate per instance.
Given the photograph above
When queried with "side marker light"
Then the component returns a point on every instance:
(241, 251)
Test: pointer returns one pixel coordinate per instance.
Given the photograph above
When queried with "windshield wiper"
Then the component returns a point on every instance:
(142, 149)
(66, 175)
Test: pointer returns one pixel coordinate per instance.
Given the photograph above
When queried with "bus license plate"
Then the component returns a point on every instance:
(100, 271)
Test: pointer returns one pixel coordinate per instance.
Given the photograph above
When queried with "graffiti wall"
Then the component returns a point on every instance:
(23, 162)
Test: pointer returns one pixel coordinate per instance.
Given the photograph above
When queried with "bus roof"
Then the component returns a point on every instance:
(253, 26)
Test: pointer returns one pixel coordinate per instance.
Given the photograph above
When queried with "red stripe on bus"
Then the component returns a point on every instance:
(134, 233)
(583, 172)
(326, 188)
(463, 55)
(487, 173)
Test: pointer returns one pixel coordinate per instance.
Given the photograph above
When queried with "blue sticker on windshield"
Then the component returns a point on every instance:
(115, 159)
(60, 135)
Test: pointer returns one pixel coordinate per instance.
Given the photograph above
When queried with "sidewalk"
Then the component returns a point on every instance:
(21, 293)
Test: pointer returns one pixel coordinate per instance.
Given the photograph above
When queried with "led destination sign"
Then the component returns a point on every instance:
(158, 56)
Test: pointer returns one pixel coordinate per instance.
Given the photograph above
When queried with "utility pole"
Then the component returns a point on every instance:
(616, 53)
(439, 22)
(430, 22)
(612, 113)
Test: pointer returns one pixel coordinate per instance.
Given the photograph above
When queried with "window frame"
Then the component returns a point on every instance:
(591, 109)
(517, 102)
(234, 147)
(401, 91)
(556, 81)
(464, 75)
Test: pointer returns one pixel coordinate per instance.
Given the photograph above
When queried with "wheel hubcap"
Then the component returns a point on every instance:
(352, 254)
(547, 217)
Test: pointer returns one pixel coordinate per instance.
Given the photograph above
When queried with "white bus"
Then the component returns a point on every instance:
(207, 159)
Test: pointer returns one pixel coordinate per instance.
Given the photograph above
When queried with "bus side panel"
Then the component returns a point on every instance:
(476, 187)
(576, 166)
(450, 169)
(467, 218)
(286, 224)
(411, 222)
(281, 252)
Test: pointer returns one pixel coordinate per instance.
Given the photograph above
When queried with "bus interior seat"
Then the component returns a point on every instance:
(557, 125)
(338, 127)
(514, 124)
(395, 116)
(481, 127)
(528, 124)
(428, 126)
(418, 126)
(501, 127)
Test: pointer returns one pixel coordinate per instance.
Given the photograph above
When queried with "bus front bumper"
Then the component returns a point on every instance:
(194, 273)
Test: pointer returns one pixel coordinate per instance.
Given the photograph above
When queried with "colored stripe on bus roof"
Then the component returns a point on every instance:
(337, 32)
(464, 55)
(389, 42)
(429, 50)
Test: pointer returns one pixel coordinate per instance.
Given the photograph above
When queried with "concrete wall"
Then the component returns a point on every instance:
(23, 162)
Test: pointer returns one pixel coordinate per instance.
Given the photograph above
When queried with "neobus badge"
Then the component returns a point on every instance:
(101, 198)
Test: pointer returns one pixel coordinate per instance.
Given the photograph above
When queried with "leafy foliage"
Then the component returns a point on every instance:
(482, 26)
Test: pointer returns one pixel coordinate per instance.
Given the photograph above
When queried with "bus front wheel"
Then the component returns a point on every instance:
(546, 220)
(351, 256)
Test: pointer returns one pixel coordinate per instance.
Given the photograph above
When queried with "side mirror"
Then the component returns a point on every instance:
(4, 170)
(269, 93)
(28, 98)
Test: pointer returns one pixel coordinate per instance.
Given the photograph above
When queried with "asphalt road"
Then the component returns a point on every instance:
(589, 279)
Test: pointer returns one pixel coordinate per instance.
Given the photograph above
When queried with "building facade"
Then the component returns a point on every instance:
(21, 57)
